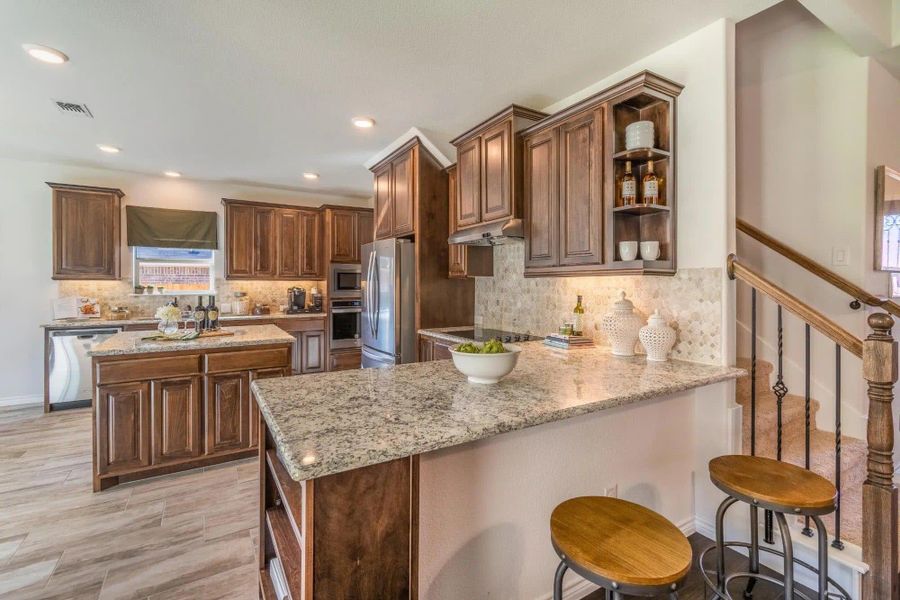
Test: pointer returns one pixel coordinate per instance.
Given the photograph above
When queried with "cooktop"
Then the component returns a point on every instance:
(483, 335)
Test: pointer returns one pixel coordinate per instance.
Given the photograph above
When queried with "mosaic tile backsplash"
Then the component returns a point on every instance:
(119, 293)
(691, 302)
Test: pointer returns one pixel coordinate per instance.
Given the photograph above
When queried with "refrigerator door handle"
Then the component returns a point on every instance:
(369, 284)
(377, 306)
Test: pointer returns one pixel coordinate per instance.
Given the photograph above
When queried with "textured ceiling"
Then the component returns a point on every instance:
(260, 91)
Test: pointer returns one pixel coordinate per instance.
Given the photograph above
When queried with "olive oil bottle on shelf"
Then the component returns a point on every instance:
(628, 187)
(650, 186)
(578, 318)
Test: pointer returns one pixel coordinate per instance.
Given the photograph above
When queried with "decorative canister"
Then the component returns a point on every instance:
(621, 326)
(657, 338)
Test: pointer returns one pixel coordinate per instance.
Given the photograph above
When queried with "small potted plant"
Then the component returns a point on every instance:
(168, 316)
(138, 289)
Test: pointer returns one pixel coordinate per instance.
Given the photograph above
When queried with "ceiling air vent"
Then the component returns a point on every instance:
(73, 109)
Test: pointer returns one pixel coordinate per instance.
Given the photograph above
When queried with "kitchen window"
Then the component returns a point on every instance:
(177, 270)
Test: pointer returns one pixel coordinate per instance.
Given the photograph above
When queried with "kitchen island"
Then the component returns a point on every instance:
(166, 406)
(340, 465)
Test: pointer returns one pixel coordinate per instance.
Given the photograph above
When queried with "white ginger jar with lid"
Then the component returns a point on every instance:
(657, 338)
(621, 326)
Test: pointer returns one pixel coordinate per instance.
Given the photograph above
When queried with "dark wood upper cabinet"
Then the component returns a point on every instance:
(384, 206)
(344, 236)
(265, 242)
(288, 239)
(581, 189)
(574, 161)
(466, 261)
(311, 244)
(404, 183)
(366, 227)
(541, 205)
(86, 232)
(175, 415)
(238, 241)
(489, 159)
(467, 196)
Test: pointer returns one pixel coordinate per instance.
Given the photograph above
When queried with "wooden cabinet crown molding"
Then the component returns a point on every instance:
(644, 79)
(513, 110)
(85, 188)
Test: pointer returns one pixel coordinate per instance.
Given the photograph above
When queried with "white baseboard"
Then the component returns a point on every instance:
(22, 400)
(578, 587)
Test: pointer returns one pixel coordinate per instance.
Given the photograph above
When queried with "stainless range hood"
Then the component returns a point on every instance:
(490, 234)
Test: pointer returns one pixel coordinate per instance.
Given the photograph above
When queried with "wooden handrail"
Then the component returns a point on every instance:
(820, 322)
(819, 270)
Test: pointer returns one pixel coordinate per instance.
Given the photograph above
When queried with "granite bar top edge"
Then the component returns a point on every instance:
(129, 343)
(302, 472)
(92, 323)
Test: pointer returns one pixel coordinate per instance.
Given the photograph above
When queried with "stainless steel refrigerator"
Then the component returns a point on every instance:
(389, 303)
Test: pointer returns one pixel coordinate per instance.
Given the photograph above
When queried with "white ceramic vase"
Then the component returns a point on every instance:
(657, 338)
(621, 326)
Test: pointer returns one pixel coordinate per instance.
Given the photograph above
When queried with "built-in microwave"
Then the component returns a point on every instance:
(346, 323)
(344, 281)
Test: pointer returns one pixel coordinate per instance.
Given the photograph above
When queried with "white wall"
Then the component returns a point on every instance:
(26, 289)
(806, 151)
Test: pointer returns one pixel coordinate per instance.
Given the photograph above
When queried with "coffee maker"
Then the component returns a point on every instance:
(296, 300)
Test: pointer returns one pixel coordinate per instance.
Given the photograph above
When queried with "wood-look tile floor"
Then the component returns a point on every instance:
(185, 536)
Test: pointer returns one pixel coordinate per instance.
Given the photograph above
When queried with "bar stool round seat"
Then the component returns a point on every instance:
(773, 485)
(619, 545)
(783, 489)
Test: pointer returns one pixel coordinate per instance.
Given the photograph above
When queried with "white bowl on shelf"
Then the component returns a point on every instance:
(486, 368)
(639, 134)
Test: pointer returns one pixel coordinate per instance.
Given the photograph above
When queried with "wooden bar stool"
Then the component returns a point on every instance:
(620, 546)
(784, 489)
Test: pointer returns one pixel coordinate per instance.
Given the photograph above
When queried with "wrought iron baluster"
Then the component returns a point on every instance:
(781, 391)
(807, 530)
(837, 543)
(753, 372)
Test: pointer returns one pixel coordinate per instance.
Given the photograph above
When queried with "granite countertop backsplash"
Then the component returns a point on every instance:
(91, 323)
(332, 422)
(132, 342)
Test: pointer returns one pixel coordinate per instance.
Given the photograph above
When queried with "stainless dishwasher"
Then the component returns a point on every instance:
(69, 382)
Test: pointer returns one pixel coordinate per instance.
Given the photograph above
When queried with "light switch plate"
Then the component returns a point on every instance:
(840, 256)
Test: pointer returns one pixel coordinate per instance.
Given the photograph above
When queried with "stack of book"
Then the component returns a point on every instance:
(565, 342)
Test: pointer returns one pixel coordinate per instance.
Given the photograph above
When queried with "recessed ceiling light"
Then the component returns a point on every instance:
(171, 173)
(109, 149)
(310, 175)
(45, 54)
(364, 122)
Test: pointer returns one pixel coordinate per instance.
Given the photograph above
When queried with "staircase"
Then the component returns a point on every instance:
(822, 444)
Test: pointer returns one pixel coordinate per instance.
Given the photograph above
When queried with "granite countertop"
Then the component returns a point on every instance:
(131, 342)
(446, 334)
(332, 422)
(91, 323)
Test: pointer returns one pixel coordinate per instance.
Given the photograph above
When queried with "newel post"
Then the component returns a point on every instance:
(879, 510)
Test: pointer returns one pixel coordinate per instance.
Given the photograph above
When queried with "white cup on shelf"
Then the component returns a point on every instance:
(650, 250)
(628, 250)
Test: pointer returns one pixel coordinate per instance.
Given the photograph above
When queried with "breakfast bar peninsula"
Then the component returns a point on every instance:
(397, 482)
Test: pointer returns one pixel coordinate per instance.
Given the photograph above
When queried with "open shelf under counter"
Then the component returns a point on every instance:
(286, 548)
(289, 491)
(641, 209)
(641, 155)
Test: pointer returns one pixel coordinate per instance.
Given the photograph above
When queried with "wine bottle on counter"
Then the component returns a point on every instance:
(212, 314)
(629, 186)
(200, 314)
(578, 318)
(650, 186)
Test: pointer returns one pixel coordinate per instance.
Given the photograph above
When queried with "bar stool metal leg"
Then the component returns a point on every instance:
(720, 541)
(788, 546)
(823, 557)
(754, 550)
(558, 579)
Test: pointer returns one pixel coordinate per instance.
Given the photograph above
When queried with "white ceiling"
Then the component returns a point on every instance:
(259, 91)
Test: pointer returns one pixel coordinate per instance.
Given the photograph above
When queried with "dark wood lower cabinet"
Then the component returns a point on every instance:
(148, 424)
(175, 415)
(349, 535)
(434, 349)
(345, 360)
(313, 345)
(122, 427)
(227, 412)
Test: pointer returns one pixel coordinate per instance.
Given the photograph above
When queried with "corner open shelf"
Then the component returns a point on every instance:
(641, 209)
(641, 155)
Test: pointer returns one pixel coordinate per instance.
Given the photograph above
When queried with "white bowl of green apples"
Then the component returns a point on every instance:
(485, 363)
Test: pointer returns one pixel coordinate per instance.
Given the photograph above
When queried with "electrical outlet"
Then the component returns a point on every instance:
(840, 256)
(612, 491)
